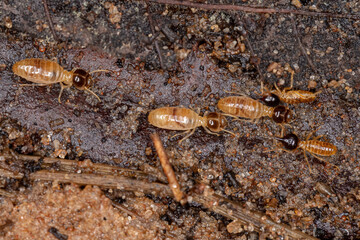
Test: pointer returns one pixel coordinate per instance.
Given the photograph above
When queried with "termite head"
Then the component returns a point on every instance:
(82, 79)
(281, 114)
(271, 99)
(215, 121)
(290, 141)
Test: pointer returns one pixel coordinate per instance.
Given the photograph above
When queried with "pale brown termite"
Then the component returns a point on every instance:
(273, 98)
(246, 107)
(177, 118)
(315, 147)
(45, 72)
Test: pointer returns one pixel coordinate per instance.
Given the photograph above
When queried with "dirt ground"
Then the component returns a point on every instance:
(203, 55)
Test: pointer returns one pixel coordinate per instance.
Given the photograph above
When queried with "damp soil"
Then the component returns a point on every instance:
(204, 54)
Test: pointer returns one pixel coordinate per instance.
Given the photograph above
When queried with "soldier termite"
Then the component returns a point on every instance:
(273, 98)
(246, 107)
(315, 147)
(45, 72)
(177, 118)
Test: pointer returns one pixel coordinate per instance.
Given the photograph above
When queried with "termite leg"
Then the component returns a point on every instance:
(187, 136)
(324, 160)
(208, 131)
(307, 161)
(291, 81)
(35, 84)
(311, 133)
(278, 91)
(318, 137)
(63, 86)
(229, 115)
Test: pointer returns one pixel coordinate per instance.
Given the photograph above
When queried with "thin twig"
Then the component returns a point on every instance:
(10, 174)
(6, 193)
(214, 202)
(169, 172)
(156, 42)
(303, 51)
(127, 211)
(85, 166)
(105, 181)
(253, 9)
(248, 43)
(235, 212)
(49, 20)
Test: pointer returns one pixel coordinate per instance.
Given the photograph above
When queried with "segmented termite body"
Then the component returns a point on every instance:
(177, 118)
(274, 97)
(45, 72)
(245, 107)
(315, 147)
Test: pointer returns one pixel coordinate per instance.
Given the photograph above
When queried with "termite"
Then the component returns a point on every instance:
(273, 98)
(46, 72)
(246, 107)
(315, 147)
(177, 118)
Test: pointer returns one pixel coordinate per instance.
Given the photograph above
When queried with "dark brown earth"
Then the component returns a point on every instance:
(204, 54)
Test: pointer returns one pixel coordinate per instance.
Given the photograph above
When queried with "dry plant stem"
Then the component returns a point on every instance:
(6, 193)
(127, 211)
(169, 172)
(214, 202)
(253, 9)
(105, 181)
(10, 174)
(151, 22)
(72, 166)
(46, 8)
(303, 51)
(233, 211)
(252, 53)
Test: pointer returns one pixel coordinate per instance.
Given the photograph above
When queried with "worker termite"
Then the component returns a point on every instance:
(315, 147)
(177, 118)
(45, 72)
(246, 107)
(273, 98)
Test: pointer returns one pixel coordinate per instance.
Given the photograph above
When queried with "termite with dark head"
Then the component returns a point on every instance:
(248, 108)
(45, 72)
(176, 118)
(274, 97)
(315, 147)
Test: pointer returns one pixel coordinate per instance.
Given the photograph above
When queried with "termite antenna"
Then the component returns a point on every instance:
(100, 70)
(86, 89)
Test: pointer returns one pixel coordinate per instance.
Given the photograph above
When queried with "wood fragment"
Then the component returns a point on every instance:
(235, 212)
(127, 211)
(10, 174)
(156, 42)
(303, 51)
(252, 9)
(46, 8)
(105, 181)
(85, 166)
(169, 172)
(6, 193)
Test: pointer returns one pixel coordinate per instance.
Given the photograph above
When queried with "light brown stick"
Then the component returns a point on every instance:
(169, 172)
(252, 9)
(106, 181)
